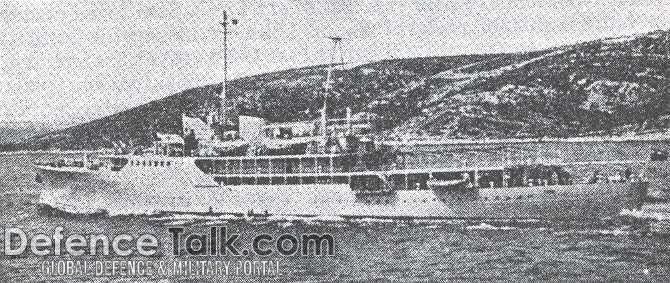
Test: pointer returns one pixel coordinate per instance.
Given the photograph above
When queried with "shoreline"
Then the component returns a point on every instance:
(659, 137)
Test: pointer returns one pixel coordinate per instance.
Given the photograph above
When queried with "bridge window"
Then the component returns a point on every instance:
(167, 163)
(162, 163)
(497, 198)
(144, 163)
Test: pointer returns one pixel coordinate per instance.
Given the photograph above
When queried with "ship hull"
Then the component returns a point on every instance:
(143, 192)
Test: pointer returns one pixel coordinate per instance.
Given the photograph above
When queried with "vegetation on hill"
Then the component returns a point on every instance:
(602, 87)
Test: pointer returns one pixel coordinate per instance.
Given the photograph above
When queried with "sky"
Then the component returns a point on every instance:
(67, 62)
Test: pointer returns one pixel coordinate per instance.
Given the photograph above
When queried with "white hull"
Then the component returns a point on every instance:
(184, 188)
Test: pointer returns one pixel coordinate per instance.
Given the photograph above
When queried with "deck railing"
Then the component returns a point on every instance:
(332, 164)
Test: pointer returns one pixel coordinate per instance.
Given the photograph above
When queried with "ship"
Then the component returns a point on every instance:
(226, 163)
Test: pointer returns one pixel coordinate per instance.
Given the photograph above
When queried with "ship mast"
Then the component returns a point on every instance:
(328, 84)
(224, 102)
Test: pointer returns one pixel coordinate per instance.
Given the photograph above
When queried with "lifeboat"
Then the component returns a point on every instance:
(447, 185)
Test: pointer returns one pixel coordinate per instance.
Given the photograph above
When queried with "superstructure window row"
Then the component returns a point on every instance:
(150, 163)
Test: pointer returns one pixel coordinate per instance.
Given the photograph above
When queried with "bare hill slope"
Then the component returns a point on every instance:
(602, 87)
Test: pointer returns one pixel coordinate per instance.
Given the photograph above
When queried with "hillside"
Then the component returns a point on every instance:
(11, 132)
(602, 87)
